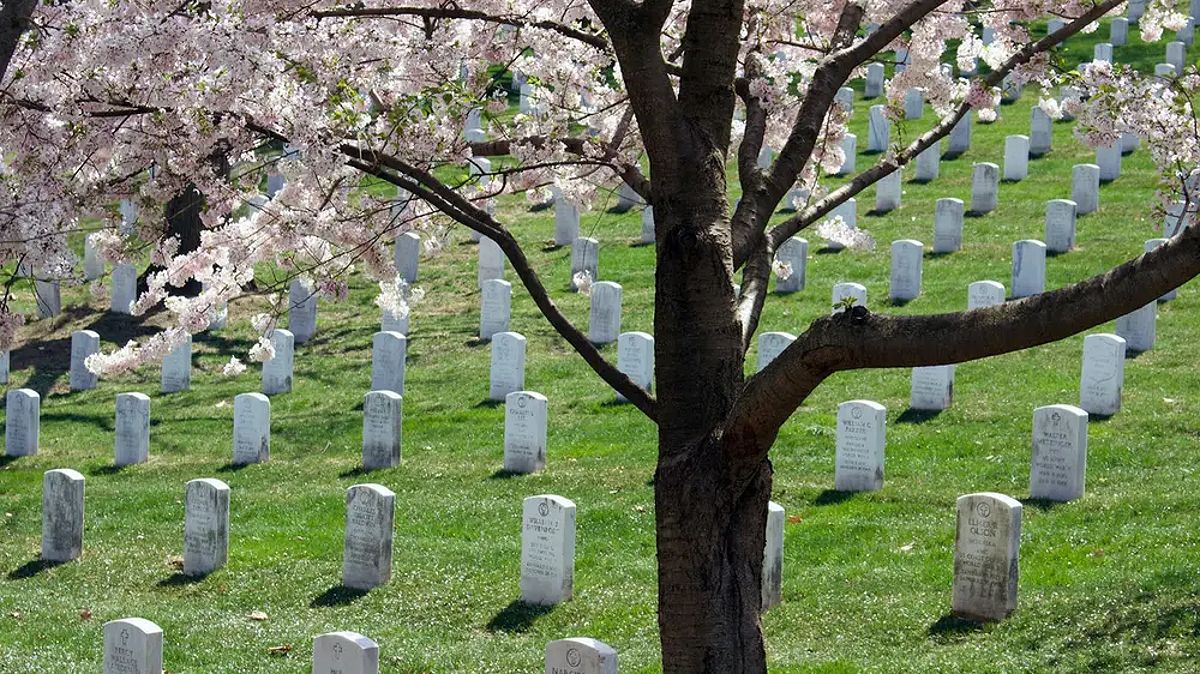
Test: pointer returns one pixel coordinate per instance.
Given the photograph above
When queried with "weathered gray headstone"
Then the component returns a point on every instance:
(1129, 142)
(1060, 225)
(1135, 9)
(93, 266)
(1059, 462)
(1102, 377)
(627, 198)
(277, 372)
(1137, 327)
(1108, 158)
(987, 546)
(772, 573)
(580, 655)
(4, 360)
(132, 429)
(1054, 25)
(382, 415)
(508, 365)
(906, 270)
(1164, 70)
(879, 129)
(1187, 34)
(947, 225)
(302, 311)
(845, 291)
(251, 429)
(124, 288)
(845, 98)
(1102, 51)
(525, 420)
(982, 294)
(391, 323)
(1041, 132)
(585, 258)
(635, 359)
(83, 344)
(793, 252)
(491, 260)
(1010, 89)
(1085, 188)
(914, 104)
(62, 515)
(861, 428)
(1177, 55)
(1028, 268)
(1016, 157)
(985, 187)
(367, 549)
(547, 550)
(344, 653)
(177, 368)
(22, 422)
(133, 646)
(648, 235)
(1176, 218)
(48, 296)
(566, 221)
(604, 320)
(874, 85)
(1118, 32)
(389, 351)
(408, 256)
(960, 135)
(770, 345)
(205, 526)
(932, 387)
(887, 192)
(1172, 293)
(929, 163)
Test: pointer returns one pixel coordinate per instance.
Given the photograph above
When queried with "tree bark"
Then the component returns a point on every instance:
(14, 21)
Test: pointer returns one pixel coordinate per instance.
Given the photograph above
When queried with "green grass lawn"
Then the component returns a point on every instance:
(1109, 583)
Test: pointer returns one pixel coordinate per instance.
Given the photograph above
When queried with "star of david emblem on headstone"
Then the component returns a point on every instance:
(544, 509)
(573, 657)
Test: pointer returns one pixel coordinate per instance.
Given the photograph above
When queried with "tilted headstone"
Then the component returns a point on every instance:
(1108, 158)
(947, 225)
(770, 345)
(48, 296)
(1016, 157)
(628, 198)
(887, 192)
(389, 351)
(987, 546)
(251, 429)
(635, 359)
(879, 129)
(133, 646)
(1118, 32)
(408, 256)
(1137, 328)
(525, 419)
(983, 294)
(580, 655)
(1028, 268)
(62, 515)
(124, 288)
(566, 221)
(176, 372)
(302, 311)
(1060, 225)
(1177, 55)
(874, 85)
(906, 270)
(1085, 188)
(491, 260)
(932, 388)
(850, 151)
(604, 320)
(83, 344)
(205, 526)
(585, 258)
(277, 372)
(1102, 376)
(648, 235)
(772, 572)
(845, 291)
(132, 429)
(547, 550)
(93, 266)
(508, 365)
(344, 653)
(1172, 293)
(985, 187)
(914, 104)
(861, 428)
(793, 252)
(929, 163)
(22, 422)
(1041, 132)
(1059, 463)
(960, 135)
(367, 549)
(382, 415)
(495, 310)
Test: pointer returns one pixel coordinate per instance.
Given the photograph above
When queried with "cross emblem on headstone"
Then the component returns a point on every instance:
(124, 637)
(337, 651)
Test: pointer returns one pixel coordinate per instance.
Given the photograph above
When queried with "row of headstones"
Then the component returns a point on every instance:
(135, 646)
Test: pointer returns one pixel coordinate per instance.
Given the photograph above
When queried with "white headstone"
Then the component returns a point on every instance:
(491, 260)
(1085, 188)
(4, 359)
(635, 359)
(914, 104)
(277, 372)
(177, 368)
(344, 653)
(132, 429)
(389, 350)
(251, 429)
(1059, 461)
(547, 550)
(1054, 25)
(1108, 158)
(408, 256)
(844, 291)
(1028, 268)
(932, 387)
(133, 646)
(579, 655)
(879, 129)
(1177, 55)
(960, 135)
(508, 365)
(887, 192)
(218, 316)
(1016, 157)
(1164, 70)
(1176, 218)
(391, 323)
(929, 163)
(480, 168)
(1135, 10)
(566, 221)
(367, 549)
(1060, 225)
(861, 427)
(473, 127)
(874, 85)
(604, 320)
(850, 150)
(1137, 327)
(845, 98)
(947, 225)
(48, 296)
(1129, 142)
(987, 547)
(906, 270)
(983, 294)
(525, 417)
(585, 257)
(1041, 132)
(772, 573)
(124, 288)
(985, 187)
(1103, 374)
(770, 345)
(93, 266)
(1010, 90)
(22, 422)
(1118, 32)
(62, 515)
(495, 309)
(83, 344)
(205, 526)
(794, 252)
(1187, 34)
(1102, 51)
(382, 414)
(302, 311)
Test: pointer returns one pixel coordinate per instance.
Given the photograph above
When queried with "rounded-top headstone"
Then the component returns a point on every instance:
(205, 526)
(62, 515)
(22, 422)
(580, 655)
(344, 653)
(132, 646)
(986, 556)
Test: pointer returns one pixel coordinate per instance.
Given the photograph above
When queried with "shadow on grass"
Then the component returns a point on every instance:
(1055, 253)
(6, 459)
(233, 467)
(1092, 418)
(111, 469)
(951, 156)
(931, 255)
(829, 251)
(32, 568)
(879, 213)
(897, 302)
(641, 244)
(338, 595)
(550, 247)
(951, 627)
(517, 617)
(503, 474)
(476, 342)
(1042, 504)
(912, 416)
(975, 214)
(832, 497)
(181, 579)
(613, 402)
(489, 404)
(1133, 355)
(357, 471)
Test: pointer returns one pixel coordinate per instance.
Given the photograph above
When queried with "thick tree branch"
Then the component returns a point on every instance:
(14, 21)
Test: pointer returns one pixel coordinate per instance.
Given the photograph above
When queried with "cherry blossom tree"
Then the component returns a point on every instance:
(99, 94)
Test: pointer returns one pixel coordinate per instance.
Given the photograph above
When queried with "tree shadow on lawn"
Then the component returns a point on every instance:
(833, 497)
(338, 595)
(517, 617)
(951, 627)
(914, 416)
(32, 568)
